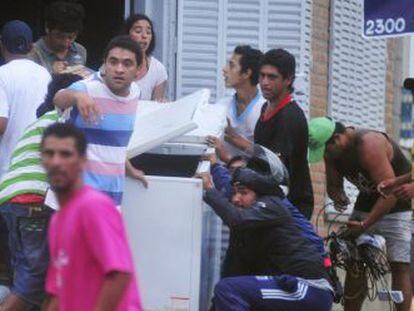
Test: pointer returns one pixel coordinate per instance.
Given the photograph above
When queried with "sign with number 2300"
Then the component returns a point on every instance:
(388, 18)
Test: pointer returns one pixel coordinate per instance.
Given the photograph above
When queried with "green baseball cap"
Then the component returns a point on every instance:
(320, 131)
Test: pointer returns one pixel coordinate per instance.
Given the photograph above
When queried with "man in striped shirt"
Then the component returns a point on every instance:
(104, 109)
(22, 191)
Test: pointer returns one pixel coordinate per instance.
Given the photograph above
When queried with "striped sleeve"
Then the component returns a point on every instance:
(78, 86)
(25, 173)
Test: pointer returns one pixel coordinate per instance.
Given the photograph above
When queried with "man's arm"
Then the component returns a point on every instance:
(3, 125)
(218, 145)
(375, 157)
(403, 179)
(65, 99)
(233, 216)
(131, 171)
(158, 93)
(387, 187)
(114, 286)
(335, 185)
(304, 226)
(4, 108)
(405, 192)
(221, 178)
(230, 214)
(86, 105)
(237, 140)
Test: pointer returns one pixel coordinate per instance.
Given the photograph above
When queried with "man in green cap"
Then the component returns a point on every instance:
(365, 158)
(403, 186)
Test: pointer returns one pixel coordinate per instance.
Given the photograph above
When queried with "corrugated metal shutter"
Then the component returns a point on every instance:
(208, 31)
(243, 25)
(357, 71)
(289, 27)
(198, 46)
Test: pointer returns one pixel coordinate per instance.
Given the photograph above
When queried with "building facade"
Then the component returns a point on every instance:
(339, 73)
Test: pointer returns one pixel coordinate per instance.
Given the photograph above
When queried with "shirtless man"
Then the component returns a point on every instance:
(365, 158)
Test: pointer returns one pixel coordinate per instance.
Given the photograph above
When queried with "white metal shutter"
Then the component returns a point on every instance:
(357, 68)
(289, 27)
(198, 46)
(208, 31)
(244, 25)
(357, 72)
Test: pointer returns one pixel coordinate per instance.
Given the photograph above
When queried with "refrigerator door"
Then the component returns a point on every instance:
(158, 123)
(165, 226)
(210, 120)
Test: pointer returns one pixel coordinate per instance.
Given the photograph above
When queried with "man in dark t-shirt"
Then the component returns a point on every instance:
(57, 51)
(282, 126)
(365, 158)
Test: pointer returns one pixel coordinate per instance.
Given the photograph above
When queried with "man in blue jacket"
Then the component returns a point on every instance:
(276, 267)
(264, 161)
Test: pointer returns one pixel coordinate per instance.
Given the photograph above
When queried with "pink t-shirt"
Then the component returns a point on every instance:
(87, 241)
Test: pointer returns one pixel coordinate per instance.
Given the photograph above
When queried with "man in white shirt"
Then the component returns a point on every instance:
(242, 74)
(23, 86)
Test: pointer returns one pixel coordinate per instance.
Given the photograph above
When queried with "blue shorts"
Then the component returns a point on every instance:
(27, 234)
(270, 293)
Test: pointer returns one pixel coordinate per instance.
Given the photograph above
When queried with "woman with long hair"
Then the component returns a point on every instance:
(152, 78)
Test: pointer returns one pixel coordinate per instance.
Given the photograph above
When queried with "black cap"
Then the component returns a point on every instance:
(259, 183)
(409, 84)
(16, 37)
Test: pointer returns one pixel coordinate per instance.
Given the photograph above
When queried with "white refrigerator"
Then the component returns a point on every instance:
(174, 236)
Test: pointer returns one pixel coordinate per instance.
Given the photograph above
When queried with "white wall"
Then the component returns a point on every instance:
(410, 59)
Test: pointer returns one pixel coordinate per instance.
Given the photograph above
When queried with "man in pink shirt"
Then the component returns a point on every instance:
(91, 265)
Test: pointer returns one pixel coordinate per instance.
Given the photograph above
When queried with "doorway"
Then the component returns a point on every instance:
(103, 20)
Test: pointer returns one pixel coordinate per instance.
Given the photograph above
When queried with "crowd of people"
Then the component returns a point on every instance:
(64, 131)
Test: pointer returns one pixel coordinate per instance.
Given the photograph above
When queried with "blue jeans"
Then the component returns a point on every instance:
(5, 269)
(27, 234)
(269, 293)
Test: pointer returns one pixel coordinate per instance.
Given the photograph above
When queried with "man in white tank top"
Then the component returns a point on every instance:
(243, 108)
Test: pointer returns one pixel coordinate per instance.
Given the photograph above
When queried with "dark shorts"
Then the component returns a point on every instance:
(27, 236)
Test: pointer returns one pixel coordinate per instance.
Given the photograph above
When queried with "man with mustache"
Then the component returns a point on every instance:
(241, 73)
(282, 126)
(104, 108)
(90, 265)
(57, 50)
